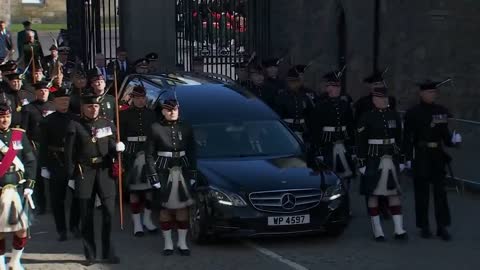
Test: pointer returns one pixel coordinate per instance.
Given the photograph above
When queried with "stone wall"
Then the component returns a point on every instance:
(5, 8)
(419, 39)
(51, 11)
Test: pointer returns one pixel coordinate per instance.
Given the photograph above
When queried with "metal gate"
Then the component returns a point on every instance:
(221, 32)
(93, 29)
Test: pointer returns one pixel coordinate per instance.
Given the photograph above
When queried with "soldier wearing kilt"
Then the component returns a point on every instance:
(171, 162)
(378, 134)
(333, 129)
(17, 170)
(135, 123)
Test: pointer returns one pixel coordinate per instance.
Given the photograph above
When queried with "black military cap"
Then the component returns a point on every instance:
(270, 62)
(301, 68)
(376, 77)
(138, 91)
(13, 76)
(428, 85)
(63, 48)
(293, 74)
(53, 47)
(40, 85)
(170, 104)
(9, 66)
(152, 56)
(91, 99)
(256, 69)
(141, 62)
(26, 23)
(380, 92)
(61, 92)
(95, 75)
(331, 78)
(5, 109)
(79, 74)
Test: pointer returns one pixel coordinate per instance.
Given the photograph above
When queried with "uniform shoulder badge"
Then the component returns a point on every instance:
(19, 129)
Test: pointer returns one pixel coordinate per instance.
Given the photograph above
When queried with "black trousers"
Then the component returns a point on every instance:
(422, 197)
(87, 209)
(39, 196)
(58, 191)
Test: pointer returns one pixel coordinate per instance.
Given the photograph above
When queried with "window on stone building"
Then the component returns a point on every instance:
(33, 1)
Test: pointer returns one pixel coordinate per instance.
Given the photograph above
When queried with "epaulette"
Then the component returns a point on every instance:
(19, 129)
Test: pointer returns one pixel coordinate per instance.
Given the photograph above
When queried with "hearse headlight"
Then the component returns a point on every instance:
(226, 198)
(333, 192)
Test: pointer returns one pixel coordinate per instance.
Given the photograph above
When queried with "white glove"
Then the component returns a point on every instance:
(120, 147)
(98, 202)
(27, 192)
(408, 164)
(192, 182)
(362, 170)
(401, 167)
(71, 184)
(45, 173)
(456, 138)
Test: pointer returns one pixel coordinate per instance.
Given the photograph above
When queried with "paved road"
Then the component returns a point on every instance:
(353, 250)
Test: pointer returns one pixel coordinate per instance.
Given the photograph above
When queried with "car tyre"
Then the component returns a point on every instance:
(198, 224)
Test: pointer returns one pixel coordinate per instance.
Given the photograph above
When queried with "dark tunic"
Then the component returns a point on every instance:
(14, 99)
(107, 108)
(89, 151)
(377, 124)
(171, 137)
(32, 116)
(134, 127)
(267, 95)
(333, 113)
(295, 109)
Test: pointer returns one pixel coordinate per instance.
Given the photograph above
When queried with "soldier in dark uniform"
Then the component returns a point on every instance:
(48, 62)
(365, 104)
(171, 166)
(52, 163)
(16, 97)
(333, 129)
(142, 66)
(31, 49)
(314, 96)
(17, 182)
(152, 61)
(9, 67)
(97, 84)
(426, 134)
(90, 147)
(79, 84)
(272, 82)
(258, 88)
(293, 106)
(135, 122)
(379, 131)
(32, 115)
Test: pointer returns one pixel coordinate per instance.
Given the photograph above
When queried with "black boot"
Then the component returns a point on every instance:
(425, 233)
(444, 234)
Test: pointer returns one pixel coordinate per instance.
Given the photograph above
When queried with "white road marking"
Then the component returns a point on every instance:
(275, 256)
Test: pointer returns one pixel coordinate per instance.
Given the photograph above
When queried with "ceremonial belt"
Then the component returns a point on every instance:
(137, 139)
(171, 154)
(10, 154)
(429, 144)
(56, 148)
(334, 129)
(93, 160)
(381, 141)
(294, 121)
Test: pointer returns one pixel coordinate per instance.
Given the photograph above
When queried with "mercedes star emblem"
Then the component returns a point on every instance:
(288, 201)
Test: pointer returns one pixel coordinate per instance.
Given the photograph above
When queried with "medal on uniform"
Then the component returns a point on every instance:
(180, 135)
(19, 108)
(94, 135)
(108, 105)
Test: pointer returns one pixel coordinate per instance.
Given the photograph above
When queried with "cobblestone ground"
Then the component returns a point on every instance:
(353, 250)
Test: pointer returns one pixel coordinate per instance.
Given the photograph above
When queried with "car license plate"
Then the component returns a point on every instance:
(288, 220)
